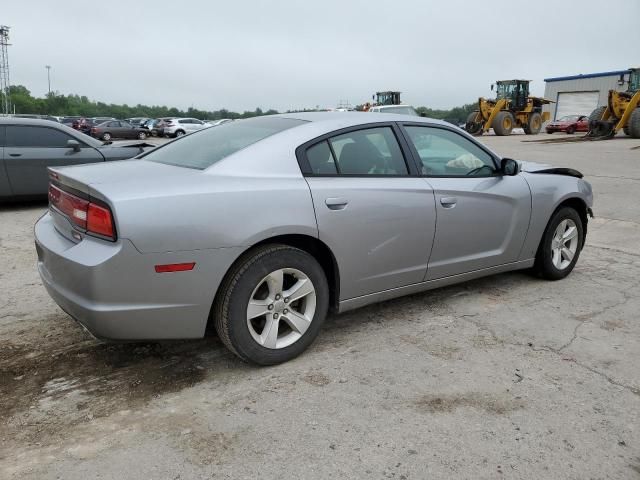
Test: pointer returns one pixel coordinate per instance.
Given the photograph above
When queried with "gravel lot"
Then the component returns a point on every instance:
(504, 377)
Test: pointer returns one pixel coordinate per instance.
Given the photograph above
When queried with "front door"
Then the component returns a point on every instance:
(31, 149)
(483, 216)
(378, 221)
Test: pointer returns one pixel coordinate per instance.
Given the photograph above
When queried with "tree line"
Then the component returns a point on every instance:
(71, 105)
(79, 105)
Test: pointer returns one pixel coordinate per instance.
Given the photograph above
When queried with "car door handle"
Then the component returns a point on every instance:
(15, 154)
(336, 203)
(448, 202)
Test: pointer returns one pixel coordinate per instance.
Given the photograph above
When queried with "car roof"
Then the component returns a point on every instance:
(27, 121)
(347, 119)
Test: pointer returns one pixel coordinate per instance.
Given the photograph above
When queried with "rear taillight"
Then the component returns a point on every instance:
(99, 221)
(84, 214)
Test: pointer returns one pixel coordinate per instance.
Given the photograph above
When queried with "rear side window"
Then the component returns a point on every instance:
(28, 136)
(374, 151)
(207, 146)
(321, 160)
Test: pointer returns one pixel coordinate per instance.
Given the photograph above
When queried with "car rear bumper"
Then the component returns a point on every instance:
(114, 291)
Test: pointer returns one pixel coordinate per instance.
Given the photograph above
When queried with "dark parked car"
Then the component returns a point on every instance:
(569, 124)
(117, 129)
(28, 147)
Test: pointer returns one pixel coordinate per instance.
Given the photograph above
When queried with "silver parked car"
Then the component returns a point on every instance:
(259, 227)
(176, 127)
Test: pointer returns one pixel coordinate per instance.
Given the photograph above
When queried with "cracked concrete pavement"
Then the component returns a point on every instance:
(503, 377)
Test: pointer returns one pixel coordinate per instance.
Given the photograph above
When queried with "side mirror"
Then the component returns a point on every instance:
(508, 166)
(74, 144)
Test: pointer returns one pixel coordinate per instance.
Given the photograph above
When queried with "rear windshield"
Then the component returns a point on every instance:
(204, 148)
(403, 110)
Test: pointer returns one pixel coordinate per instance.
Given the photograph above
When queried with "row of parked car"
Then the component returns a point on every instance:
(108, 128)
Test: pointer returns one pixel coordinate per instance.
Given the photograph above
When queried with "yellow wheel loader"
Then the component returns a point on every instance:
(621, 112)
(512, 108)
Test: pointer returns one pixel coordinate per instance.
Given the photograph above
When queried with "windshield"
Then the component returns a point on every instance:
(505, 90)
(402, 110)
(634, 81)
(202, 149)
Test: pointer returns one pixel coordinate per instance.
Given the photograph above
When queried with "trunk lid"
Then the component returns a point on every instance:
(124, 186)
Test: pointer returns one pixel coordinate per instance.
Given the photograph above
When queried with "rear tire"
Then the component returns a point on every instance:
(179, 133)
(142, 136)
(106, 136)
(559, 248)
(473, 125)
(570, 130)
(535, 124)
(634, 124)
(503, 123)
(249, 283)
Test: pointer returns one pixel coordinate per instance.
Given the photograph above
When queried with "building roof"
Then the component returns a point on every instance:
(613, 73)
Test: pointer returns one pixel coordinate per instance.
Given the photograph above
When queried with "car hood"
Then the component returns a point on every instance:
(533, 167)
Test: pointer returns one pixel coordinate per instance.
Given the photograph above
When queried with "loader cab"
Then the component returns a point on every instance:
(634, 80)
(387, 98)
(516, 91)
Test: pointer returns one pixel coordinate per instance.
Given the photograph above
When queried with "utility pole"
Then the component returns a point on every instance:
(48, 67)
(4, 71)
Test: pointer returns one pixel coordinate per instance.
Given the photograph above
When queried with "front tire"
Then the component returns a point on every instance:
(560, 246)
(142, 136)
(272, 304)
(179, 133)
(570, 130)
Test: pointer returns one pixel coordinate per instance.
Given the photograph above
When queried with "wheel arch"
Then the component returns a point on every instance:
(312, 245)
(579, 205)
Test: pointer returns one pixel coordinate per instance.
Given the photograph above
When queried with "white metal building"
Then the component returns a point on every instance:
(581, 94)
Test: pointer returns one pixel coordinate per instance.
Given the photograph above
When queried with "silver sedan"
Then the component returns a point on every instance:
(260, 227)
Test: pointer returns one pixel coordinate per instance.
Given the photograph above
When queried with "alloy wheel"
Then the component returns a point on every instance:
(281, 308)
(564, 244)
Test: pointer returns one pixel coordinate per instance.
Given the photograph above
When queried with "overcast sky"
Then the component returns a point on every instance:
(242, 54)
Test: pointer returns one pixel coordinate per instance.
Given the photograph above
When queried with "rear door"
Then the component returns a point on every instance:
(31, 149)
(375, 216)
(483, 216)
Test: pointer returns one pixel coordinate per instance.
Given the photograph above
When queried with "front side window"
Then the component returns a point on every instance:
(207, 146)
(374, 151)
(446, 153)
(36, 137)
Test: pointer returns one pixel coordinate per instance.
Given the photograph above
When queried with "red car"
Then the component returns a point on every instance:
(569, 124)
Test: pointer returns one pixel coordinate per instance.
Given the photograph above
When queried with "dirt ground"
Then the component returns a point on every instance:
(503, 377)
